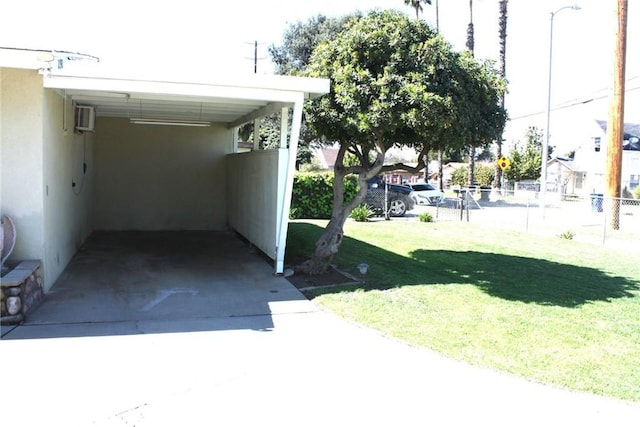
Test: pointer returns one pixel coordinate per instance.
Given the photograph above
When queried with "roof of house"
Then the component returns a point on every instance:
(631, 135)
(570, 164)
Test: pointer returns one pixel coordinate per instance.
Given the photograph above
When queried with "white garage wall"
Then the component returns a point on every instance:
(21, 137)
(67, 208)
(159, 177)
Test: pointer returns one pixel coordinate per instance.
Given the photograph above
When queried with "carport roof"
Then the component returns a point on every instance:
(232, 100)
(228, 99)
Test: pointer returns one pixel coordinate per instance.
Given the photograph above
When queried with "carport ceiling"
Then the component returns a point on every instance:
(216, 110)
(231, 100)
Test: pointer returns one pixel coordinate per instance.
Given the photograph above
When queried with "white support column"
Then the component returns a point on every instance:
(283, 217)
(235, 140)
(284, 124)
(256, 134)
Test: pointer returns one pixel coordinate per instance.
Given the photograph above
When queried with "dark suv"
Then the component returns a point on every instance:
(399, 199)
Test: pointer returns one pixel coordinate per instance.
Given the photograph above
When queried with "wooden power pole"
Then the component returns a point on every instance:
(615, 126)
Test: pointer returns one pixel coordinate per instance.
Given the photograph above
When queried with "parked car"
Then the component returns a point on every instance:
(426, 194)
(399, 199)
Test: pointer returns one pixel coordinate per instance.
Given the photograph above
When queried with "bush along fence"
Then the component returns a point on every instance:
(312, 195)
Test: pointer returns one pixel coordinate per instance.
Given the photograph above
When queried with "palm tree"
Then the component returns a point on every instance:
(502, 69)
(470, 46)
(470, 35)
(417, 5)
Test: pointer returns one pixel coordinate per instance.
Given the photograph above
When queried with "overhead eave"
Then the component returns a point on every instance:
(232, 100)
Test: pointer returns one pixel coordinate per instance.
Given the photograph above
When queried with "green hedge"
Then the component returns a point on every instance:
(313, 194)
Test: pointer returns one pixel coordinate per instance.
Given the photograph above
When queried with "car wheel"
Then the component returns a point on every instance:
(397, 207)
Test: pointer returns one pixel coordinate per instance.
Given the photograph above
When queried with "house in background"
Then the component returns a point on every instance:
(585, 172)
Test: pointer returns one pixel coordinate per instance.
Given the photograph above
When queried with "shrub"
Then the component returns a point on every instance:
(567, 235)
(483, 174)
(636, 193)
(425, 217)
(312, 195)
(362, 213)
(460, 176)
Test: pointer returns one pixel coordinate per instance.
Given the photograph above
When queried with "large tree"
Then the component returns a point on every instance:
(395, 82)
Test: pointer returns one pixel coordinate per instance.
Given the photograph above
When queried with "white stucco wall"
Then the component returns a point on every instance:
(21, 139)
(67, 208)
(159, 177)
(51, 221)
(253, 196)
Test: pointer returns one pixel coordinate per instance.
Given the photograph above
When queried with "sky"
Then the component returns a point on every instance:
(218, 37)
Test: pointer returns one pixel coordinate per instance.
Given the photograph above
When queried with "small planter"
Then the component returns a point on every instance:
(20, 292)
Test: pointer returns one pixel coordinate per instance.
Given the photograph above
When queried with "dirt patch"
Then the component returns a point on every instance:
(330, 278)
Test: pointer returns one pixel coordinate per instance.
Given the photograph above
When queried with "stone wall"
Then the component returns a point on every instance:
(20, 291)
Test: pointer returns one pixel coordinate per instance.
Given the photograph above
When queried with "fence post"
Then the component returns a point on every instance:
(604, 222)
(386, 199)
(467, 205)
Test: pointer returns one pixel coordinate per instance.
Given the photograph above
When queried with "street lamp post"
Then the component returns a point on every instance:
(545, 145)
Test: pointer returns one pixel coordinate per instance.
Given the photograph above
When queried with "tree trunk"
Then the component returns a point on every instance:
(331, 239)
(326, 247)
(440, 170)
(470, 46)
(472, 166)
(502, 70)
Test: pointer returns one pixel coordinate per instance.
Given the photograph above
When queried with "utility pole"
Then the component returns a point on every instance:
(615, 126)
(255, 57)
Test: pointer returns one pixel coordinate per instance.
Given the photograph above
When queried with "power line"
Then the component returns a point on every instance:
(574, 102)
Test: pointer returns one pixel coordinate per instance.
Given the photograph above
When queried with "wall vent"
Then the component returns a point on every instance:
(85, 118)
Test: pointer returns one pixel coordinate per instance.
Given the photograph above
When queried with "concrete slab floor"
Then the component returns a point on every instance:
(271, 358)
(125, 279)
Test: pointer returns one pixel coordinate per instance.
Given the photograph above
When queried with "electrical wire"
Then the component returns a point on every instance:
(575, 102)
(84, 167)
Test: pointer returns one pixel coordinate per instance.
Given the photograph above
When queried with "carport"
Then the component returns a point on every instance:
(84, 151)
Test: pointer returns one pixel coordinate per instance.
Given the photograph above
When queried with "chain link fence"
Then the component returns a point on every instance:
(595, 218)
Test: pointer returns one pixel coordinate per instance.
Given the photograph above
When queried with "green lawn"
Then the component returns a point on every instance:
(552, 310)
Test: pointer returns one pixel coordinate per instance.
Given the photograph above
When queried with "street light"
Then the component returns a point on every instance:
(545, 146)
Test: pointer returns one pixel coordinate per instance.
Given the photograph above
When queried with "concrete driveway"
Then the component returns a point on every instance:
(167, 329)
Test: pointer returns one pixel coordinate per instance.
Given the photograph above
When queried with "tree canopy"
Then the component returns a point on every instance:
(394, 81)
(301, 38)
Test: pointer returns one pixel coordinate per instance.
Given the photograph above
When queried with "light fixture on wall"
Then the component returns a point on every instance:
(170, 122)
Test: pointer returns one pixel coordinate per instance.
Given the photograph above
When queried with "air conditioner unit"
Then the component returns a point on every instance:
(85, 118)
